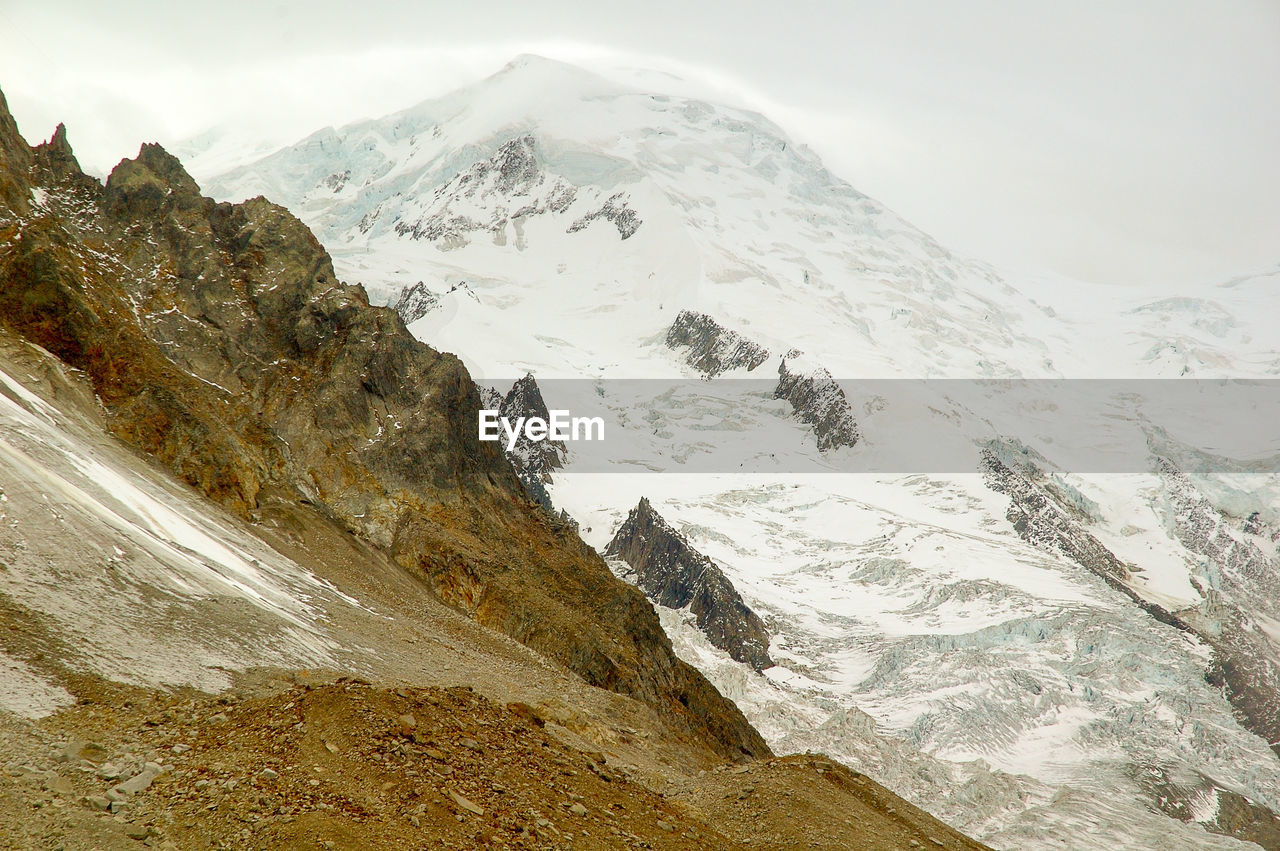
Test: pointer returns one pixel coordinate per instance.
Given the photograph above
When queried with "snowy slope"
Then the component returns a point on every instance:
(125, 561)
(560, 223)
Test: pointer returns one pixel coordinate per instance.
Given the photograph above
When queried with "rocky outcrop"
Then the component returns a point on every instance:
(818, 401)
(1042, 516)
(221, 343)
(1195, 797)
(710, 348)
(533, 461)
(1244, 578)
(614, 210)
(673, 574)
(416, 302)
(816, 398)
(492, 194)
(15, 193)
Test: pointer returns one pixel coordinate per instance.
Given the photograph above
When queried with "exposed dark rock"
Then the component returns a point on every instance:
(416, 302)
(675, 575)
(614, 210)
(15, 191)
(219, 341)
(337, 180)
(56, 154)
(1041, 517)
(1253, 524)
(516, 165)
(511, 186)
(567, 519)
(712, 348)
(507, 188)
(816, 397)
(533, 460)
(818, 401)
(1247, 659)
(490, 399)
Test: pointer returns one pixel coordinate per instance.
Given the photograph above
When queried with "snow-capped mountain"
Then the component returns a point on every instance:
(1042, 657)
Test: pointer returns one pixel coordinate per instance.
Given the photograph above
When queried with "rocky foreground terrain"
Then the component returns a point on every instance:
(261, 587)
(298, 761)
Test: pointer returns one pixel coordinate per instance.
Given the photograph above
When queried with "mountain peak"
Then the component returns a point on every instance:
(675, 575)
(150, 181)
(59, 138)
(531, 74)
(535, 63)
(165, 166)
(534, 60)
(57, 152)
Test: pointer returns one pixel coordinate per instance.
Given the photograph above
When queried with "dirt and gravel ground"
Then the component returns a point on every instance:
(303, 760)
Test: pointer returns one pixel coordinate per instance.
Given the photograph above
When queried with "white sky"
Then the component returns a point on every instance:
(1122, 141)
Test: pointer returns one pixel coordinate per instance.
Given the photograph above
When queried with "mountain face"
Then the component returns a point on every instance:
(1004, 647)
(1245, 664)
(675, 575)
(476, 201)
(221, 343)
(187, 672)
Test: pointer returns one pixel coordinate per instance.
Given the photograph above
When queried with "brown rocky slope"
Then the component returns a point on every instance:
(220, 342)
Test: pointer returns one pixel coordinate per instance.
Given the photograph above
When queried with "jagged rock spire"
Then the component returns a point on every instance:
(675, 575)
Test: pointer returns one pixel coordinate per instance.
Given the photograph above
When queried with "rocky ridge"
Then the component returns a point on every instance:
(1044, 512)
(505, 191)
(221, 343)
(818, 400)
(533, 461)
(416, 302)
(1241, 575)
(675, 575)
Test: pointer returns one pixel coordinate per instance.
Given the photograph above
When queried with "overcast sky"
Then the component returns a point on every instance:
(1121, 141)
